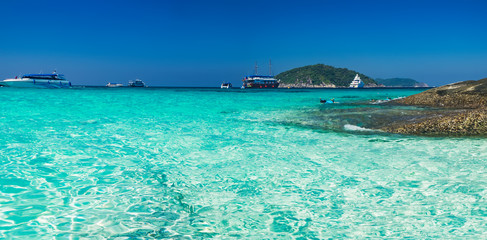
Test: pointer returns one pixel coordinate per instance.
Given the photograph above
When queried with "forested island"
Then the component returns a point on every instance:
(325, 76)
(320, 75)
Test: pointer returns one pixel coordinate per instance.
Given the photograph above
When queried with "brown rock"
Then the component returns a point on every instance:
(465, 111)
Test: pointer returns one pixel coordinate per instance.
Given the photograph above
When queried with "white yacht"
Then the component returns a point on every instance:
(357, 82)
(226, 85)
(52, 80)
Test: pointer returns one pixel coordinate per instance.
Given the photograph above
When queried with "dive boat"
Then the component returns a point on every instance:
(137, 83)
(357, 82)
(53, 80)
(112, 85)
(226, 85)
(260, 81)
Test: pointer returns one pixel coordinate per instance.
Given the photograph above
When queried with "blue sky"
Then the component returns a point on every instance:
(203, 43)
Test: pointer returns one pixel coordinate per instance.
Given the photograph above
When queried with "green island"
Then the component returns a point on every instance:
(320, 75)
(325, 76)
(461, 111)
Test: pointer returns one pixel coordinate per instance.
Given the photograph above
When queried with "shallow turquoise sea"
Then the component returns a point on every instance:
(184, 163)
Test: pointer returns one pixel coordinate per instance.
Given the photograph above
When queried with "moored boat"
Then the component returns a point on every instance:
(52, 80)
(137, 83)
(260, 81)
(226, 85)
(357, 82)
(112, 85)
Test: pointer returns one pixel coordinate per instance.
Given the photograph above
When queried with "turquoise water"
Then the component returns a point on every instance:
(228, 164)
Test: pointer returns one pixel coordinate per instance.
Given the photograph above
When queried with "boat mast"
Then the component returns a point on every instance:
(256, 67)
(270, 68)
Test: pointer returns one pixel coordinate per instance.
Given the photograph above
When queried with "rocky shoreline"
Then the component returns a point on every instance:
(305, 85)
(464, 111)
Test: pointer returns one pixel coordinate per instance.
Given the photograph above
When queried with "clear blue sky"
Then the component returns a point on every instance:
(202, 43)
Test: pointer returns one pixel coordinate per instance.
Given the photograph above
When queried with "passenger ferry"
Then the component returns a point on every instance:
(137, 83)
(357, 82)
(226, 85)
(260, 81)
(52, 80)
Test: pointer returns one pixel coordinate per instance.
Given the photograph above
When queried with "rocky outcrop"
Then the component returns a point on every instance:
(468, 94)
(457, 123)
(464, 114)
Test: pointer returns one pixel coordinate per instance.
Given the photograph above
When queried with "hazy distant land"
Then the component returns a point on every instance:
(399, 82)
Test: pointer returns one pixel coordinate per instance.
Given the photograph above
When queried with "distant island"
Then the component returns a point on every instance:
(400, 82)
(325, 76)
(463, 111)
(320, 75)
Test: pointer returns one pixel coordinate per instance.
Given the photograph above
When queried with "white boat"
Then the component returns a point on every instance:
(114, 85)
(357, 82)
(226, 85)
(137, 83)
(53, 80)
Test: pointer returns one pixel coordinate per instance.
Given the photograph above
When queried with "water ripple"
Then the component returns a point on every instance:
(165, 164)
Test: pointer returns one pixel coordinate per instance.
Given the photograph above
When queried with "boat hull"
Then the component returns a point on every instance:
(259, 86)
(35, 83)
